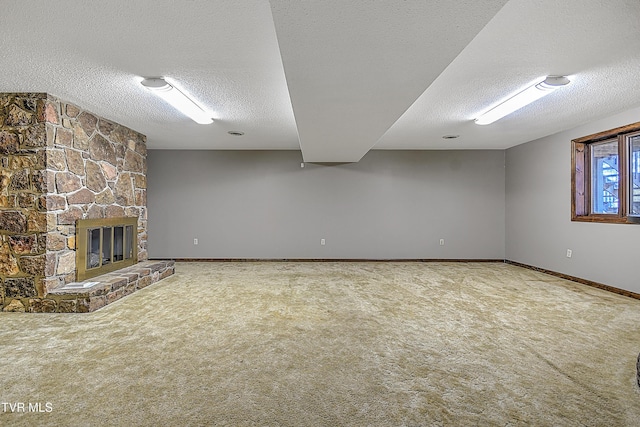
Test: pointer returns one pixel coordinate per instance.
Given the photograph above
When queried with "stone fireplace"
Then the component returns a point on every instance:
(60, 164)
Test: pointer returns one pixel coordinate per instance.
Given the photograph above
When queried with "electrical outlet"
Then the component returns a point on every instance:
(195, 241)
(569, 253)
(322, 242)
(441, 242)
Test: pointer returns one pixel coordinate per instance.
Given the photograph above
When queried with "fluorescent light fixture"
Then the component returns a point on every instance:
(527, 96)
(177, 99)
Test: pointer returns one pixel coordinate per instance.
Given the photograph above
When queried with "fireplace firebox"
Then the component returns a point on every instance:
(104, 245)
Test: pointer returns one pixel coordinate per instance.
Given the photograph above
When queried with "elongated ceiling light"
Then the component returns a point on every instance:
(527, 96)
(177, 99)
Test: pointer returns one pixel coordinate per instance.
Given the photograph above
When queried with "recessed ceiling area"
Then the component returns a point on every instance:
(331, 78)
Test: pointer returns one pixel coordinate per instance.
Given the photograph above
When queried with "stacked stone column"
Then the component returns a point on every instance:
(23, 220)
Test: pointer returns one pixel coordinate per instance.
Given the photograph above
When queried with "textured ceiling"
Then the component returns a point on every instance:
(331, 78)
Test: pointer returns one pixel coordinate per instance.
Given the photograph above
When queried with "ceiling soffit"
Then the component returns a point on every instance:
(353, 68)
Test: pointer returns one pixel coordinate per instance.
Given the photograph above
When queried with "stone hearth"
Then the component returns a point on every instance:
(60, 164)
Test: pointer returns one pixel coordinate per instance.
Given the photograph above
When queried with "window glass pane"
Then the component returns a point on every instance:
(106, 245)
(118, 240)
(634, 178)
(604, 177)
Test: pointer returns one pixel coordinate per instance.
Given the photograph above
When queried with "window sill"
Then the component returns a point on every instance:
(607, 219)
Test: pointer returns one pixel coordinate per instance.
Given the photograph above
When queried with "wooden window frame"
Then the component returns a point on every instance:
(581, 176)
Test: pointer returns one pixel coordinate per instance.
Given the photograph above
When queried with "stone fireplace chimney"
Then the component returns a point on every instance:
(59, 164)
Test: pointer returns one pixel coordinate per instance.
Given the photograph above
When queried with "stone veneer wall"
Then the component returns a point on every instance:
(59, 164)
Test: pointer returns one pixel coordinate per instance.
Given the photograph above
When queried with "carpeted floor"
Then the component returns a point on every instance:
(331, 344)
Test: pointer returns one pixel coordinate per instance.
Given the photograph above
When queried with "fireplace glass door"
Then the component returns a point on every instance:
(107, 233)
(93, 248)
(118, 243)
(105, 245)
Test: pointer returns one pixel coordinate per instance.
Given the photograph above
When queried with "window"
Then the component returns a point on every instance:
(605, 181)
(634, 175)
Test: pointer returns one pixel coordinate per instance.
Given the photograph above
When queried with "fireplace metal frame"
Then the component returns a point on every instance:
(83, 226)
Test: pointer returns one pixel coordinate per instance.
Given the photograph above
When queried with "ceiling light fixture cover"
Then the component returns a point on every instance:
(177, 99)
(519, 100)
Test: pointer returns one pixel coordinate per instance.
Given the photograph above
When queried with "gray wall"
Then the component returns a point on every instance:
(538, 214)
(262, 204)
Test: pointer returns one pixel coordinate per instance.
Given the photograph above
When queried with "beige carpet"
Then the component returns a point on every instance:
(331, 344)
